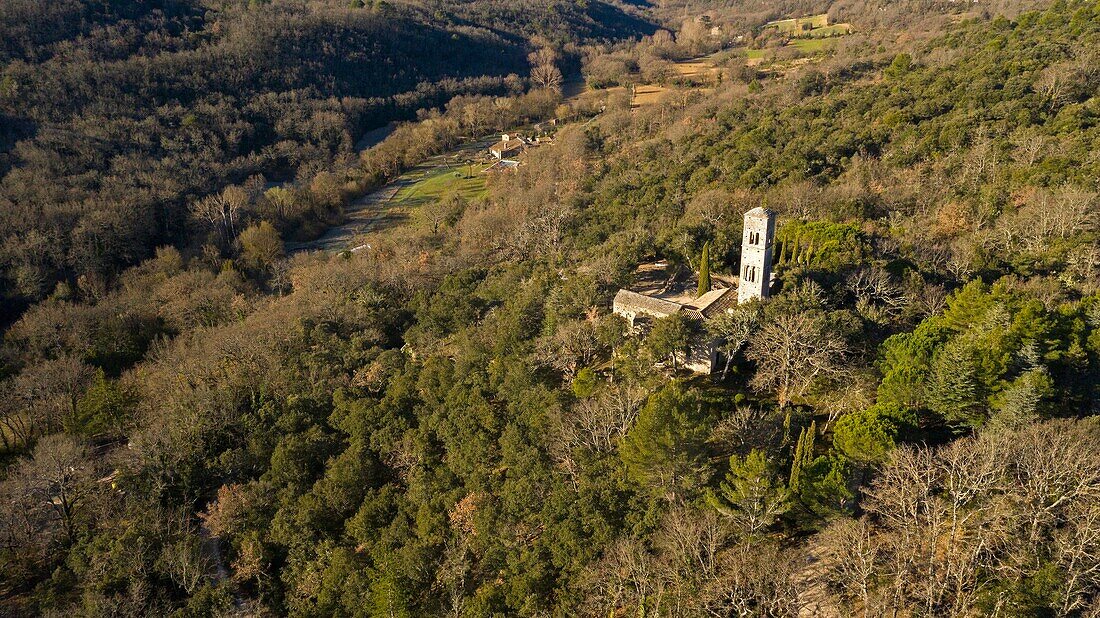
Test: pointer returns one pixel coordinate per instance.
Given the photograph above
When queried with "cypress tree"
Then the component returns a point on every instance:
(704, 270)
(796, 464)
(803, 456)
(808, 447)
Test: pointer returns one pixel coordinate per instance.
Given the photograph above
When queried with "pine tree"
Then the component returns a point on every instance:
(664, 449)
(102, 407)
(955, 389)
(750, 495)
(704, 270)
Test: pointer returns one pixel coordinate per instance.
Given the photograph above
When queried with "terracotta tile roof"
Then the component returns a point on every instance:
(727, 300)
(701, 303)
(508, 146)
(692, 314)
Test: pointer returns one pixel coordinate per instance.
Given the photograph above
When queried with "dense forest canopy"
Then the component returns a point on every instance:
(452, 421)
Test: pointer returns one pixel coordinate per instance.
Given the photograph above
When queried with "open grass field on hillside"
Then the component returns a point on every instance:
(799, 24)
(698, 72)
(806, 46)
(694, 74)
(828, 31)
(648, 94)
(702, 68)
(433, 183)
(811, 46)
(814, 26)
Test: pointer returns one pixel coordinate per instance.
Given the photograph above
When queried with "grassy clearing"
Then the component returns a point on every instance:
(806, 46)
(815, 26)
(833, 30)
(697, 74)
(800, 24)
(812, 46)
(698, 68)
(649, 94)
(433, 183)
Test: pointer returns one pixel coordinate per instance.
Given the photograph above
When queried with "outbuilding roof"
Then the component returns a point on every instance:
(760, 213)
(625, 300)
(727, 300)
(508, 146)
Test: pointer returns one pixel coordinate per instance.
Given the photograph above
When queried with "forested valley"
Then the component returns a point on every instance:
(116, 115)
(195, 421)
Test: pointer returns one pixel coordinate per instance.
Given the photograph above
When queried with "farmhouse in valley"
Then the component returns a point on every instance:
(660, 291)
(510, 145)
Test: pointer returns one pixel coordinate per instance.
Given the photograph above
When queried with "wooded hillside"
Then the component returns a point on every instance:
(451, 421)
(117, 116)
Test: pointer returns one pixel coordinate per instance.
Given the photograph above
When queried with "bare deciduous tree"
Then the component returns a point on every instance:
(693, 542)
(574, 346)
(793, 352)
(222, 211)
(851, 559)
(755, 579)
(50, 488)
(744, 428)
(1053, 85)
(1029, 146)
(878, 297)
(1077, 548)
(46, 394)
(626, 578)
(732, 329)
(544, 70)
(947, 525)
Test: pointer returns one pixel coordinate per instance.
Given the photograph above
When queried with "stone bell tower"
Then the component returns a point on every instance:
(756, 254)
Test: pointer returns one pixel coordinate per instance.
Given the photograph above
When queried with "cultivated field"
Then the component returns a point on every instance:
(799, 24)
(698, 72)
(814, 26)
(458, 171)
(435, 182)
